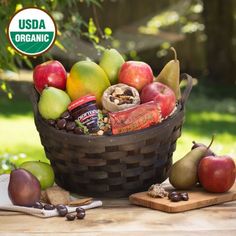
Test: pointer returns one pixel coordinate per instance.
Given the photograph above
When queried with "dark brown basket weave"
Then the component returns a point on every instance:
(112, 166)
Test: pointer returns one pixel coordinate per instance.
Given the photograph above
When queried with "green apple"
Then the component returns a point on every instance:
(42, 171)
(111, 63)
(53, 102)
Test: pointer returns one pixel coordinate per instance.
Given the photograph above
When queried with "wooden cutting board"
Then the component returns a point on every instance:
(198, 198)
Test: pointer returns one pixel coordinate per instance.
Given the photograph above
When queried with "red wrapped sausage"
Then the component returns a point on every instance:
(136, 118)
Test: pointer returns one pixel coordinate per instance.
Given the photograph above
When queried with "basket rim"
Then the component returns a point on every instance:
(131, 133)
(180, 108)
(113, 138)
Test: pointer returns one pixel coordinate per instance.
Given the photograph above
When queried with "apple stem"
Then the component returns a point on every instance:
(212, 139)
(175, 53)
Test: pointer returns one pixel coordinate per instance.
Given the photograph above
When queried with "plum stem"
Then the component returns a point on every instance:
(14, 166)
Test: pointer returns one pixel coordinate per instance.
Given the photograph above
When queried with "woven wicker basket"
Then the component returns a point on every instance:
(112, 166)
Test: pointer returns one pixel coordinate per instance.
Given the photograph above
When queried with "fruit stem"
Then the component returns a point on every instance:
(171, 48)
(13, 166)
(212, 139)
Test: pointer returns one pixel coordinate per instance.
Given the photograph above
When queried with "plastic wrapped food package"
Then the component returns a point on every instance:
(135, 118)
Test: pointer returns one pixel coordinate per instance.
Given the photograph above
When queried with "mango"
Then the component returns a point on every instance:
(87, 77)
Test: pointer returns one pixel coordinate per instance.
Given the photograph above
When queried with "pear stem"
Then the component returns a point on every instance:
(175, 53)
(212, 140)
(13, 166)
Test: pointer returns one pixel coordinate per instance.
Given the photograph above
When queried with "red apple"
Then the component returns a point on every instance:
(136, 74)
(161, 94)
(217, 173)
(51, 74)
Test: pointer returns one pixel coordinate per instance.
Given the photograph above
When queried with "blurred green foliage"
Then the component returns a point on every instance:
(5, 89)
(186, 19)
(68, 21)
(17, 122)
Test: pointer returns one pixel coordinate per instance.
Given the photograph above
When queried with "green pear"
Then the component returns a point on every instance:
(53, 102)
(42, 171)
(111, 63)
(183, 174)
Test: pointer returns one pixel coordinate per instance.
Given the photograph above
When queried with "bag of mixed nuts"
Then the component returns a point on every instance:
(120, 97)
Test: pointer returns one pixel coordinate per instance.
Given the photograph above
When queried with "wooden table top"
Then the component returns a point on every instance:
(119, 217)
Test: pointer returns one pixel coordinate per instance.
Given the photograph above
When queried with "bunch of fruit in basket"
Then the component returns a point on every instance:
(112, 97)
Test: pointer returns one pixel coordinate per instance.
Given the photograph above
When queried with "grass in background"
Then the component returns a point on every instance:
(204, 117)
(19, 139)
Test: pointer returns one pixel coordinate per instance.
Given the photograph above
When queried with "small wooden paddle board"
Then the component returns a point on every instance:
(198, 198)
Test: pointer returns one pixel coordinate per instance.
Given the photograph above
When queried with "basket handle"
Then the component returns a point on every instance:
(188, 88)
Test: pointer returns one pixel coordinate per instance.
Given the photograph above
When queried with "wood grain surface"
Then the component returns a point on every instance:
(197, 199)
(119, 217)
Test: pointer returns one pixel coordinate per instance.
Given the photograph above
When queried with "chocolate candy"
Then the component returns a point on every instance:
(51, 122)
(61, 123)
(184, 196)
(171, 194)
(62, 210)
(49, 207)
(66, 115)
(80, 213)
(70, 217)
(78, 130)
(70, 126)
(79, 209)
(38, 205)
(177, 196)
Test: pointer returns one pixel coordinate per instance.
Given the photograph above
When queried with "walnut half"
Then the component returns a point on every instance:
(157, 191)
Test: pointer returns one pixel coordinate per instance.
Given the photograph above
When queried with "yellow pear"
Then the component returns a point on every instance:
(183, 174)
(170, 75)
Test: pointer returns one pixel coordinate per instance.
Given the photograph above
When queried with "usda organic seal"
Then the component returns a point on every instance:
(32, 31)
